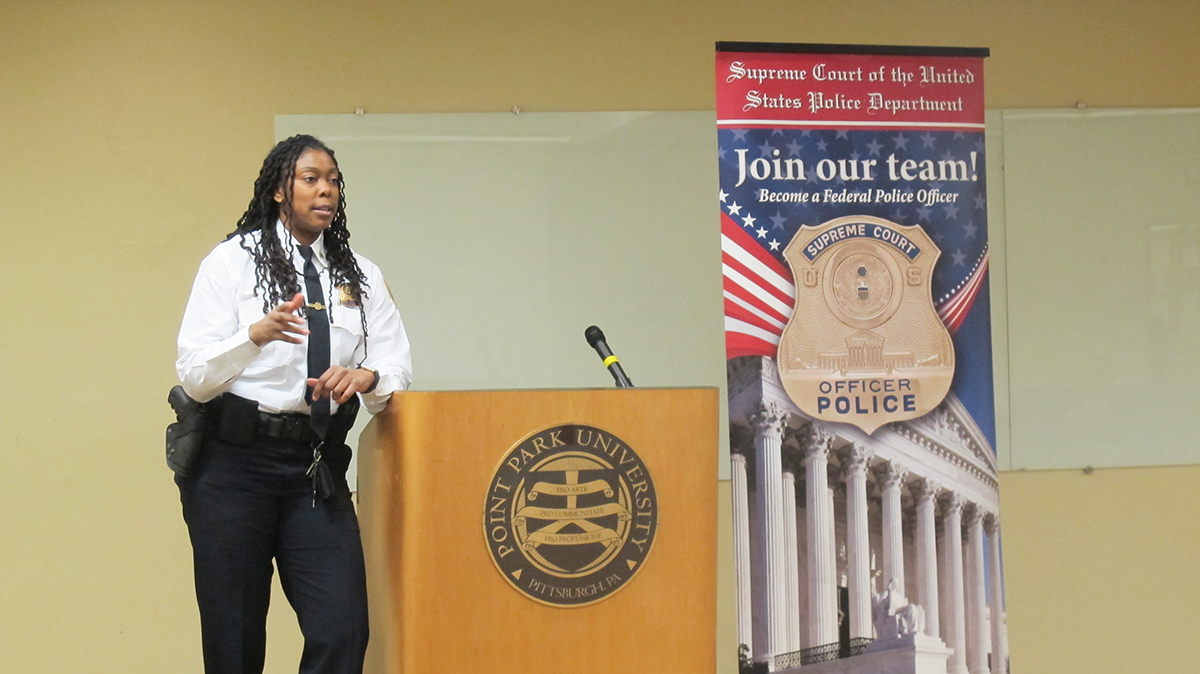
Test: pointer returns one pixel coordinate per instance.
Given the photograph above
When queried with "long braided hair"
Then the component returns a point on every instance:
(275, 275)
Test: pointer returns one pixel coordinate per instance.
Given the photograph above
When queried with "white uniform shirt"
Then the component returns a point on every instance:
(216, 354)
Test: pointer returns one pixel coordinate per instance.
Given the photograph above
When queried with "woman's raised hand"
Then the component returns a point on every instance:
(281, 324)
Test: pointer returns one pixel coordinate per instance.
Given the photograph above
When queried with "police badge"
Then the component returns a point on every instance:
(865, 345)
(346, 297)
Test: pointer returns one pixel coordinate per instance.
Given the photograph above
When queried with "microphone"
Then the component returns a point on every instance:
(595, 337)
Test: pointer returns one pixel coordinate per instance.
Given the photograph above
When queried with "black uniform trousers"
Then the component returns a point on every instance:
(246, 506)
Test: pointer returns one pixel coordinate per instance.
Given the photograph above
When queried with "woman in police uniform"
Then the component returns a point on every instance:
(285, 331)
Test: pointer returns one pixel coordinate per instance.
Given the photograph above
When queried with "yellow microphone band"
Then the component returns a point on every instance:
(610, 360)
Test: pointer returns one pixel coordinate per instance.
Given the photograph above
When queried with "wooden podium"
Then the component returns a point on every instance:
(439, 602)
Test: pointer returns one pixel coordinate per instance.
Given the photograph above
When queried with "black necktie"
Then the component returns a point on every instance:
(318, 341)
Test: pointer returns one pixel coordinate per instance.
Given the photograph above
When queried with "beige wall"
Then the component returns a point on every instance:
(130, 133)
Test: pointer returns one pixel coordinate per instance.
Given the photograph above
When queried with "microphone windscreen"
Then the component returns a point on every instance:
(594, 335)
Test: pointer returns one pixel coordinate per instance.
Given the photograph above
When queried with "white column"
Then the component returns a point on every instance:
(977, 597)
(968, 595)
(996, 598)
(791, 561)
(891, 477)
(926, 542)
(858, 544)
(831, 480)
(822, 590)
(943, 544)
(956, 621)
(741, 548)
(768, 468)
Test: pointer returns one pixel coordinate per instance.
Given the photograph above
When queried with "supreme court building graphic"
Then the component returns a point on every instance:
(841, 535)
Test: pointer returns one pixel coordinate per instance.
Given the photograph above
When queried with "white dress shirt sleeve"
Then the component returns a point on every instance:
(213, 350)
(387, 347)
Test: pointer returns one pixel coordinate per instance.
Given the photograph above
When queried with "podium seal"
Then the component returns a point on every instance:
(570, 515)
(865, 345)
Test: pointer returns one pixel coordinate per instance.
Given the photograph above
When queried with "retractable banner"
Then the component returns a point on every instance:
(858, 336)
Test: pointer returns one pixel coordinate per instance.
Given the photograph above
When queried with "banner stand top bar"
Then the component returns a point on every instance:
(878, 50)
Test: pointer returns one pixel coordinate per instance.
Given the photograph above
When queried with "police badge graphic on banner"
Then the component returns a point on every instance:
(858, 342)
(864, 344)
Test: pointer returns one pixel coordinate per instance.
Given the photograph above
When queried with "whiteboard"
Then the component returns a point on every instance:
(1101, 218)
(504, 236)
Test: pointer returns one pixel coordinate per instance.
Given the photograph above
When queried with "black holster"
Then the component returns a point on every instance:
(185, 437)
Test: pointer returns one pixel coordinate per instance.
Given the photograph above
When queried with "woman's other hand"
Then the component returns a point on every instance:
(341, 383)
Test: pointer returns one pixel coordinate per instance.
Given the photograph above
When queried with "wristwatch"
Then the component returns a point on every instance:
(374, 382)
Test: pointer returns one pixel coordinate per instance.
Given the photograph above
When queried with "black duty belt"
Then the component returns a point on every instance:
(293, 427)
(238, 421)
